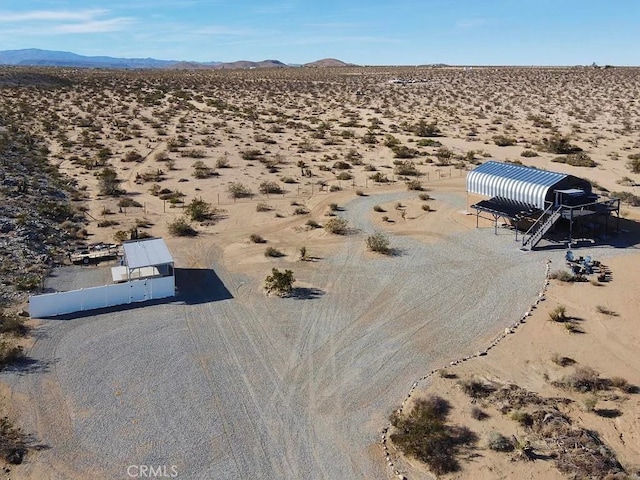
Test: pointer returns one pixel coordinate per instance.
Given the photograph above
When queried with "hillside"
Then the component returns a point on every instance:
(34, 56)
(327, 62)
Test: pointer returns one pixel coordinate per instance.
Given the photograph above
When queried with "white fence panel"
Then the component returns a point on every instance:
(60, 303)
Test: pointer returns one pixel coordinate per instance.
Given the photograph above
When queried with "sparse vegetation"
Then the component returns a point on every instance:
(424, 434)
(273, 252)
(378, 242)
(181, 227)
(336, 225)
(279, 283)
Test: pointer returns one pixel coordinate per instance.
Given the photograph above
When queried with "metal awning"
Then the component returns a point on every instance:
(146, 253)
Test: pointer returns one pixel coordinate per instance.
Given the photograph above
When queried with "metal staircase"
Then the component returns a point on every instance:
(544, 223)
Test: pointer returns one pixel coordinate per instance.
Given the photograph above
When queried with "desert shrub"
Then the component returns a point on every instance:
(385, 218)
(344, 176)
(428, 142)
(270, 187)
(378, 242)
(634, 162)
(360, 193)
(255, 238)
(561, 360)
(280, 283)
(27, 283)
(580, 159)
(336, 225)
(478, 414)
(443, 154)
(262, 207)
(424, 129)
(13, 324)
(238, 190)
(9, 353)
(120, 236)
(528, 153)
(407, 168)
(273, 252)
(251, 154)
(194, 153)
(107, 223)
(200, 170)
(558, 314)
(589, 403)
(378, 208)
(523, 418)
(583, 379)
(334, 188)
(562, 275)
(414, 185)
(560, 145)
(424, 434)
(132, 156)
(426, 207)
(334, 207)
(503, 141)
(476, 388)
(312, 224)
(300, 211)
(199, 210)
(424, 197)
(128, 202)
(627, 197)
(181, 227)
(108, 182)
(499, 443)
(222, 162)
(378, 177)
(402, 151)
(340, 165)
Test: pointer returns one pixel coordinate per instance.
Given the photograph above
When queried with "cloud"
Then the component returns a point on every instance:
(224, 30)
(97, 26)
(49, 15)
(60, 22)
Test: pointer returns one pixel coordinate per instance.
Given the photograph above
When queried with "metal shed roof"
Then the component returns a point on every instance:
(146, 253)
(525, 185)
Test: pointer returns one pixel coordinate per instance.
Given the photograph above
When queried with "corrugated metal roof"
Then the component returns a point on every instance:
(513, 182)
(146, 253)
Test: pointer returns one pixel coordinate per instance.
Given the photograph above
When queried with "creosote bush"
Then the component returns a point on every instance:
(181, 227)
(336, 225)
(378, 242)
(280, 283)
(273, 252)
(499, 443)
(255, 238)
(423, 433)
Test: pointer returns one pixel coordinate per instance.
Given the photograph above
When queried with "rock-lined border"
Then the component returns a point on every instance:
(509, 330)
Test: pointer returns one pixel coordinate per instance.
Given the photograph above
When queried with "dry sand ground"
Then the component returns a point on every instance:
(226, 383)
(607, 343)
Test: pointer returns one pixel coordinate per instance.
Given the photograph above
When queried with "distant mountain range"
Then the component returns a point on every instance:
(34, 56)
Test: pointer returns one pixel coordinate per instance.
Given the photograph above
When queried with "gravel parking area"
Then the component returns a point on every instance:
(253, 387)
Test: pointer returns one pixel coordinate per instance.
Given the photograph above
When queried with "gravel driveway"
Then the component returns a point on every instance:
(251, 387)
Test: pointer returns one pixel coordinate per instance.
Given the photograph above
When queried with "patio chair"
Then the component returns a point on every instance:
(569, 256)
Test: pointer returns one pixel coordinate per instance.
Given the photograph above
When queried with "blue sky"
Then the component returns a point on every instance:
(366, 32)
